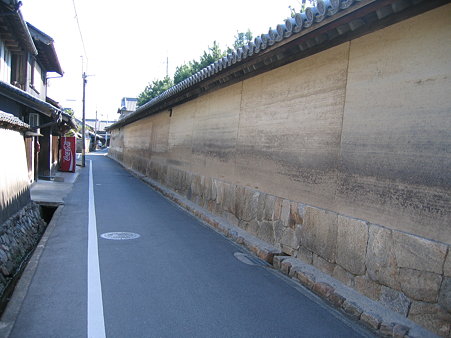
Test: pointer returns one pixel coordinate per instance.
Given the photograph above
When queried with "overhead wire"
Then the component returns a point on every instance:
(79, 30)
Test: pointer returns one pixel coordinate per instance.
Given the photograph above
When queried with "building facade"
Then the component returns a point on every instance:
(30, 127)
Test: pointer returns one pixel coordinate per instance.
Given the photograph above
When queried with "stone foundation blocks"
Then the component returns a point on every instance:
(407, 274)
(371, 320)
(352, 309)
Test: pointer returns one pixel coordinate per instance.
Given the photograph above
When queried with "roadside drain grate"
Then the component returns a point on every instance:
(248, 259)
(120, 236)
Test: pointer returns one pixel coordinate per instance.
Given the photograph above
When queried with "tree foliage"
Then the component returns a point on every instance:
(154, 89)
(211, 55)
(241, 39)
(184, 71)
(304, 4)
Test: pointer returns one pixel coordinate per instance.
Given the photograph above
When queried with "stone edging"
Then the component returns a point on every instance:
(372, 314)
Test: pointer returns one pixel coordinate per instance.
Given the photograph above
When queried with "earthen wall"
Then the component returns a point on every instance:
(340, 159)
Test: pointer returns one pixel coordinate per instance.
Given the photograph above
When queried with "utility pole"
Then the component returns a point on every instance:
(84, 76)
(95, 136)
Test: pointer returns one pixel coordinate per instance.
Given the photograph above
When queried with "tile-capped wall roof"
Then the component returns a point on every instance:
(11, 121)
(294, 25)
(328, 16)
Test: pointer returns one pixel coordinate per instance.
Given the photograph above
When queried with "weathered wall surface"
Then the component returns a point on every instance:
(395, 158)
(20, 223)
(14, 182)
(341, 159)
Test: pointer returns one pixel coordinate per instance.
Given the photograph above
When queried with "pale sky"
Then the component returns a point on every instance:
(127, 42)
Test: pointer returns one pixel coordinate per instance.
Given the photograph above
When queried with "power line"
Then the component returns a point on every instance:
(79, 30)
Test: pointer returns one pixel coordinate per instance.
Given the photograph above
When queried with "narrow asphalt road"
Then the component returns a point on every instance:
(177, 279)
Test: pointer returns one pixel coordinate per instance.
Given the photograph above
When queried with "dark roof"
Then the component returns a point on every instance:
(46, 108)
(26, 99)
(46, 50)
(12, 122)
(69, 120)
(330, 23)
(13, 29)
(128, 104)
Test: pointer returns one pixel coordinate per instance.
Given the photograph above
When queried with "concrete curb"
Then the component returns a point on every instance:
(14, 306)
(370, 313)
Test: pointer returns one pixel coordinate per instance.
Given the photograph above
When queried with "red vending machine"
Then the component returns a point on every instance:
(68, 160)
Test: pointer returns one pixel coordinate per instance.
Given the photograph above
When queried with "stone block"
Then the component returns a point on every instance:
(266, 254)
(207, 189)
(285, 212)
(278, 231)
(296, 216)
(394, 300)
(336, 299)
(219, 192)
(278, 208)
(380, 257)
(277, 261)
(418, 253)
(196, 185)
(305, 255)
(266, 231)
(211, 206)
(250, 212)
(231, 218)
(323, 290)
(285, 267)
(287, 250)
(323, 265)
(386, 329)
(261, 206)
(229, 198)
(319, 233)
(420, 285)
(352, 309)
(305, 278)
(445, 294)
(367, 287)
(8, 269)
(290, 238)
(240, 202)
(270, 202)
(352, 241)
(447, 265)
(343, 276)
(371, 320)
(214, 185)
(400, 331)
(252, 227)
(431, 316)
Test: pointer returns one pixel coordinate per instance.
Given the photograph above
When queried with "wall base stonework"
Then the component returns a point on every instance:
(405, 273)
(19, 235)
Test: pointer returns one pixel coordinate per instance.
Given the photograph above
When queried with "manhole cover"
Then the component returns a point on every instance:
(120, 236)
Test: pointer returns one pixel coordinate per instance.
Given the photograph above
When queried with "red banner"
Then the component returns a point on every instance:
(68, 154)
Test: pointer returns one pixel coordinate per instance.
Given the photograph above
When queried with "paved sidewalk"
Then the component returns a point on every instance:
(52, 193)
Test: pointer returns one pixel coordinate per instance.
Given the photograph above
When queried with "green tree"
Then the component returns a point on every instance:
(304, 4)
(154, 89)
(209, 56)
(183, 72)
(241, 39)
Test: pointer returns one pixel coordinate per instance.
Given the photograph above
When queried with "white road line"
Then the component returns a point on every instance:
(96, 323)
